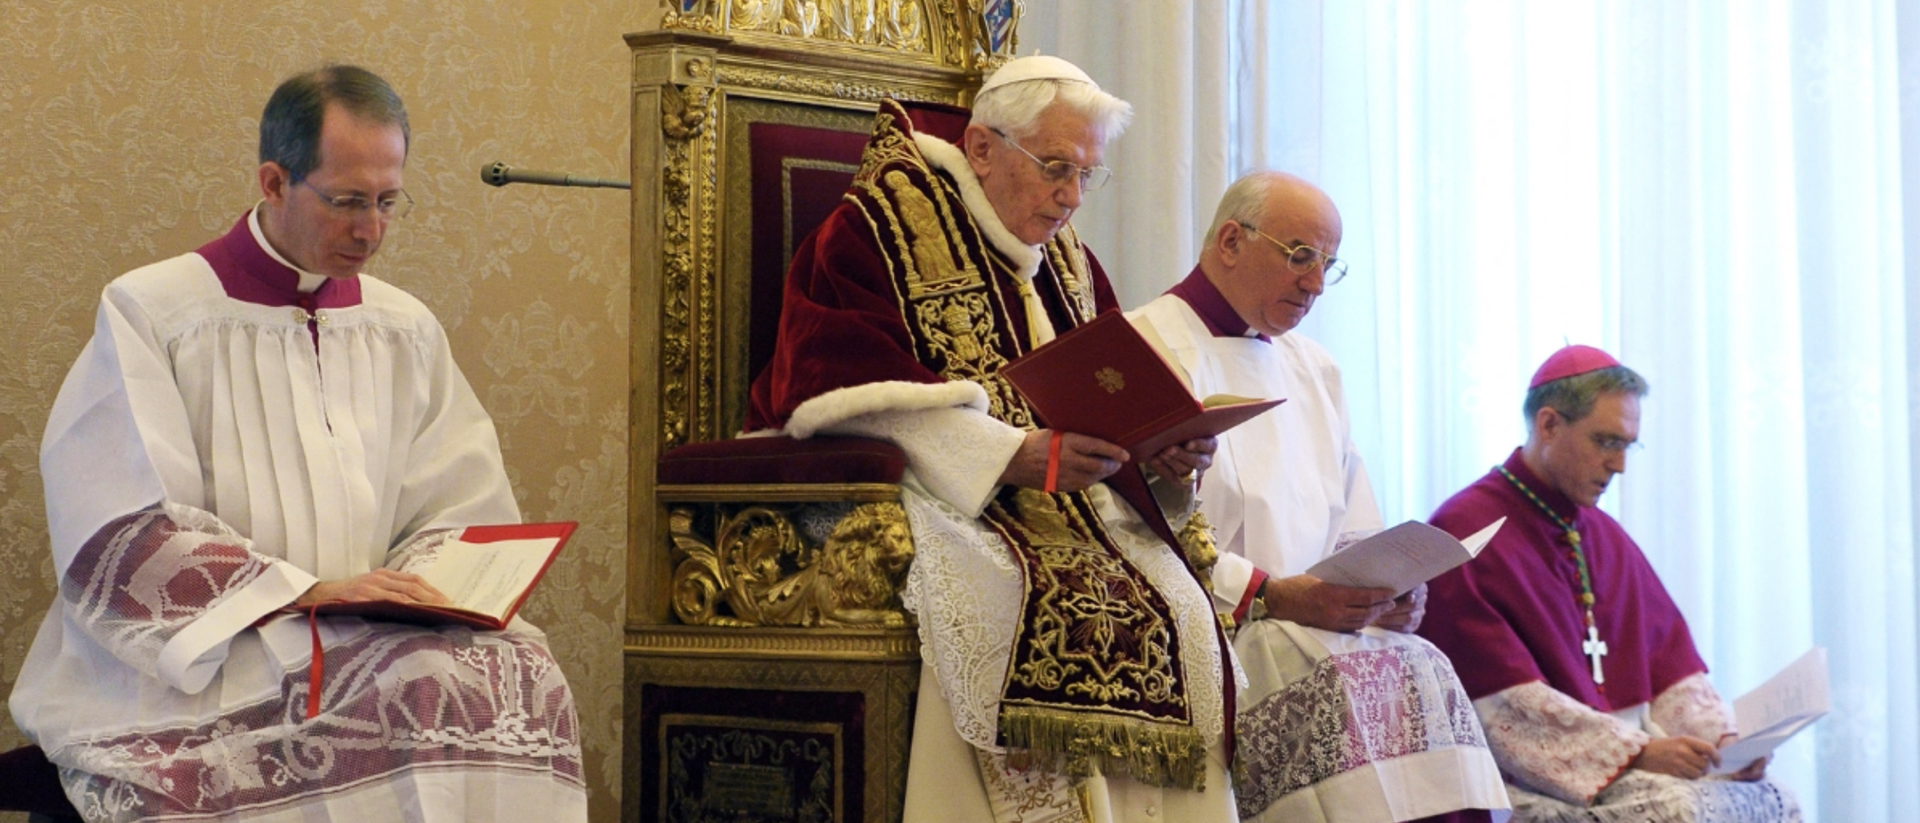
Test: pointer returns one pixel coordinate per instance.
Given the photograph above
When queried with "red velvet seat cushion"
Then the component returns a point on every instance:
(28, 783)
(784, 460)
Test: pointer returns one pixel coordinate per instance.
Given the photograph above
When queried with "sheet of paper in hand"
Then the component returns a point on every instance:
(487, 574)
(1776, 710)
(1402, 557)
(1105, 380)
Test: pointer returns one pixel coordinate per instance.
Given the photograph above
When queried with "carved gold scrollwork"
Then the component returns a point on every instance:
(685, 110)
(690, 22)
(779, 81)
(684, 115)
(758, 570)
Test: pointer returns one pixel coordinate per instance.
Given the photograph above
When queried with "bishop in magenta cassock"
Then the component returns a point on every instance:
(1594, 699)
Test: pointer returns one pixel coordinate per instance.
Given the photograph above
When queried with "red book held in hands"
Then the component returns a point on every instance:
(1105, 380)
(487, 573)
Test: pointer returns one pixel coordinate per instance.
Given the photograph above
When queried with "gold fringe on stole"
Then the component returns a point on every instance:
(1082, 744)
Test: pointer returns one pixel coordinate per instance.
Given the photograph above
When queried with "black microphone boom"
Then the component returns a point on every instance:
(500, 174)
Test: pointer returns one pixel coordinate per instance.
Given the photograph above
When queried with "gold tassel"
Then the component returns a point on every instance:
(1196, 541)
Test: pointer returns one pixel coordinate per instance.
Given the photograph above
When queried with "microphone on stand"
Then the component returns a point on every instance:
(500, 174)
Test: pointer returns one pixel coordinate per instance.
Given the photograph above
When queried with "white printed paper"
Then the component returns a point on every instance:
(1777, 710)
(1402, 557)
(488, 577)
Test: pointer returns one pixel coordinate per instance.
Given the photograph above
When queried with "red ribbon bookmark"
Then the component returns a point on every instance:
(1053, 462)
(319, 665)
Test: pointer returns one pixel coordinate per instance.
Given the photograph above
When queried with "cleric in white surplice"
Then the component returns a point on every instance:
(1347, 716)
(257, 425)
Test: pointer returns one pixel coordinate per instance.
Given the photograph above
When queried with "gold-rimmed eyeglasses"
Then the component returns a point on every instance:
(1058, 172)
(392, 205)
(1304, 258)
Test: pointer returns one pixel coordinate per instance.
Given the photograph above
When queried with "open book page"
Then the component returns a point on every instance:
(488, 577)
(1777, 710)
(1402, 557)
(1215, 401)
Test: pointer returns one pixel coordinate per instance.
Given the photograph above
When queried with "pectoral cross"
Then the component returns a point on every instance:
(1595, 648)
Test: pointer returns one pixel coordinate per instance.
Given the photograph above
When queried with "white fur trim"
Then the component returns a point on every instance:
(947, 157)
(835, 406)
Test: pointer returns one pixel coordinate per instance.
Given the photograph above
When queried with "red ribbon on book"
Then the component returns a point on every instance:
(319, 665)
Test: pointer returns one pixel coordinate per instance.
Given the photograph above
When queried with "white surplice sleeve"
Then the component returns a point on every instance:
(1555, 745)
(144, 571)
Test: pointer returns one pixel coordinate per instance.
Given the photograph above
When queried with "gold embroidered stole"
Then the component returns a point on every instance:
(1095, 682)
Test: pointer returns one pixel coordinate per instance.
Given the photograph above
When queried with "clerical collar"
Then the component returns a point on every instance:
(1205, 299)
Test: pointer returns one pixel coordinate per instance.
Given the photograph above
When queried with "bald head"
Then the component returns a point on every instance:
(1266, 247)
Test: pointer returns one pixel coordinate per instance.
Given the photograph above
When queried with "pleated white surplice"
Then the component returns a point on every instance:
(207, 460)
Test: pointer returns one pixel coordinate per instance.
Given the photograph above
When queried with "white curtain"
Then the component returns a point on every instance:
(1715, 191)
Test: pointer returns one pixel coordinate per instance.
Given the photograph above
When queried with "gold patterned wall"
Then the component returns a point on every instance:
(127, 134)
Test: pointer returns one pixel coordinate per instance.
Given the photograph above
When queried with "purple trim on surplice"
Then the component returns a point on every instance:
(1206, 300)
(251, 275)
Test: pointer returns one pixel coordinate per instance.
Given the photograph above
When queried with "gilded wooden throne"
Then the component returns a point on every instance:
(770, 672)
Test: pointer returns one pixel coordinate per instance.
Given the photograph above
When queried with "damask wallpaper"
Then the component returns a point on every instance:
(128, 133)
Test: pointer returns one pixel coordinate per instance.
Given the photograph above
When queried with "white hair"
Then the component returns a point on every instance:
(1015, 108)
(1245, 203)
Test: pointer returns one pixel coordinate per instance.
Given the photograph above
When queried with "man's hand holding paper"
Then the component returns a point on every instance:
(1315, 603)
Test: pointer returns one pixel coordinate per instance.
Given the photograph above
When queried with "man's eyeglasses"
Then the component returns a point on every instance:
(1058, 172)
(390, 206)
(1304, 258)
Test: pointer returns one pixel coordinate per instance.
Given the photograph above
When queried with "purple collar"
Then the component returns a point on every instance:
(251, 275)
(1206, 300)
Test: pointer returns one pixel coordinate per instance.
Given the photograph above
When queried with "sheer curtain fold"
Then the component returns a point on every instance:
(1716, 190)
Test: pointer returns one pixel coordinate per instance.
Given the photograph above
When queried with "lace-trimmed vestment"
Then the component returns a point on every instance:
(1512, 623)
(1054, 626)
(224, 441)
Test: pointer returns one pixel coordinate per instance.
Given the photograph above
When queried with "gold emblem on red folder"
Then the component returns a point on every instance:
(1110, 379)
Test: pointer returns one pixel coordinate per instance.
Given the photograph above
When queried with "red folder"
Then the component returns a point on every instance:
(1104, 380)
(442, 615)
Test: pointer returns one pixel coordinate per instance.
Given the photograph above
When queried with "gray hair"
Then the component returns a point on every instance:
(1573, 396)
(1015, 108)
(1245, 203)
(290, 125)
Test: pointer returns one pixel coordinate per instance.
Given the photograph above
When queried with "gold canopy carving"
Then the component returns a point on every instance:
(972, 35)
